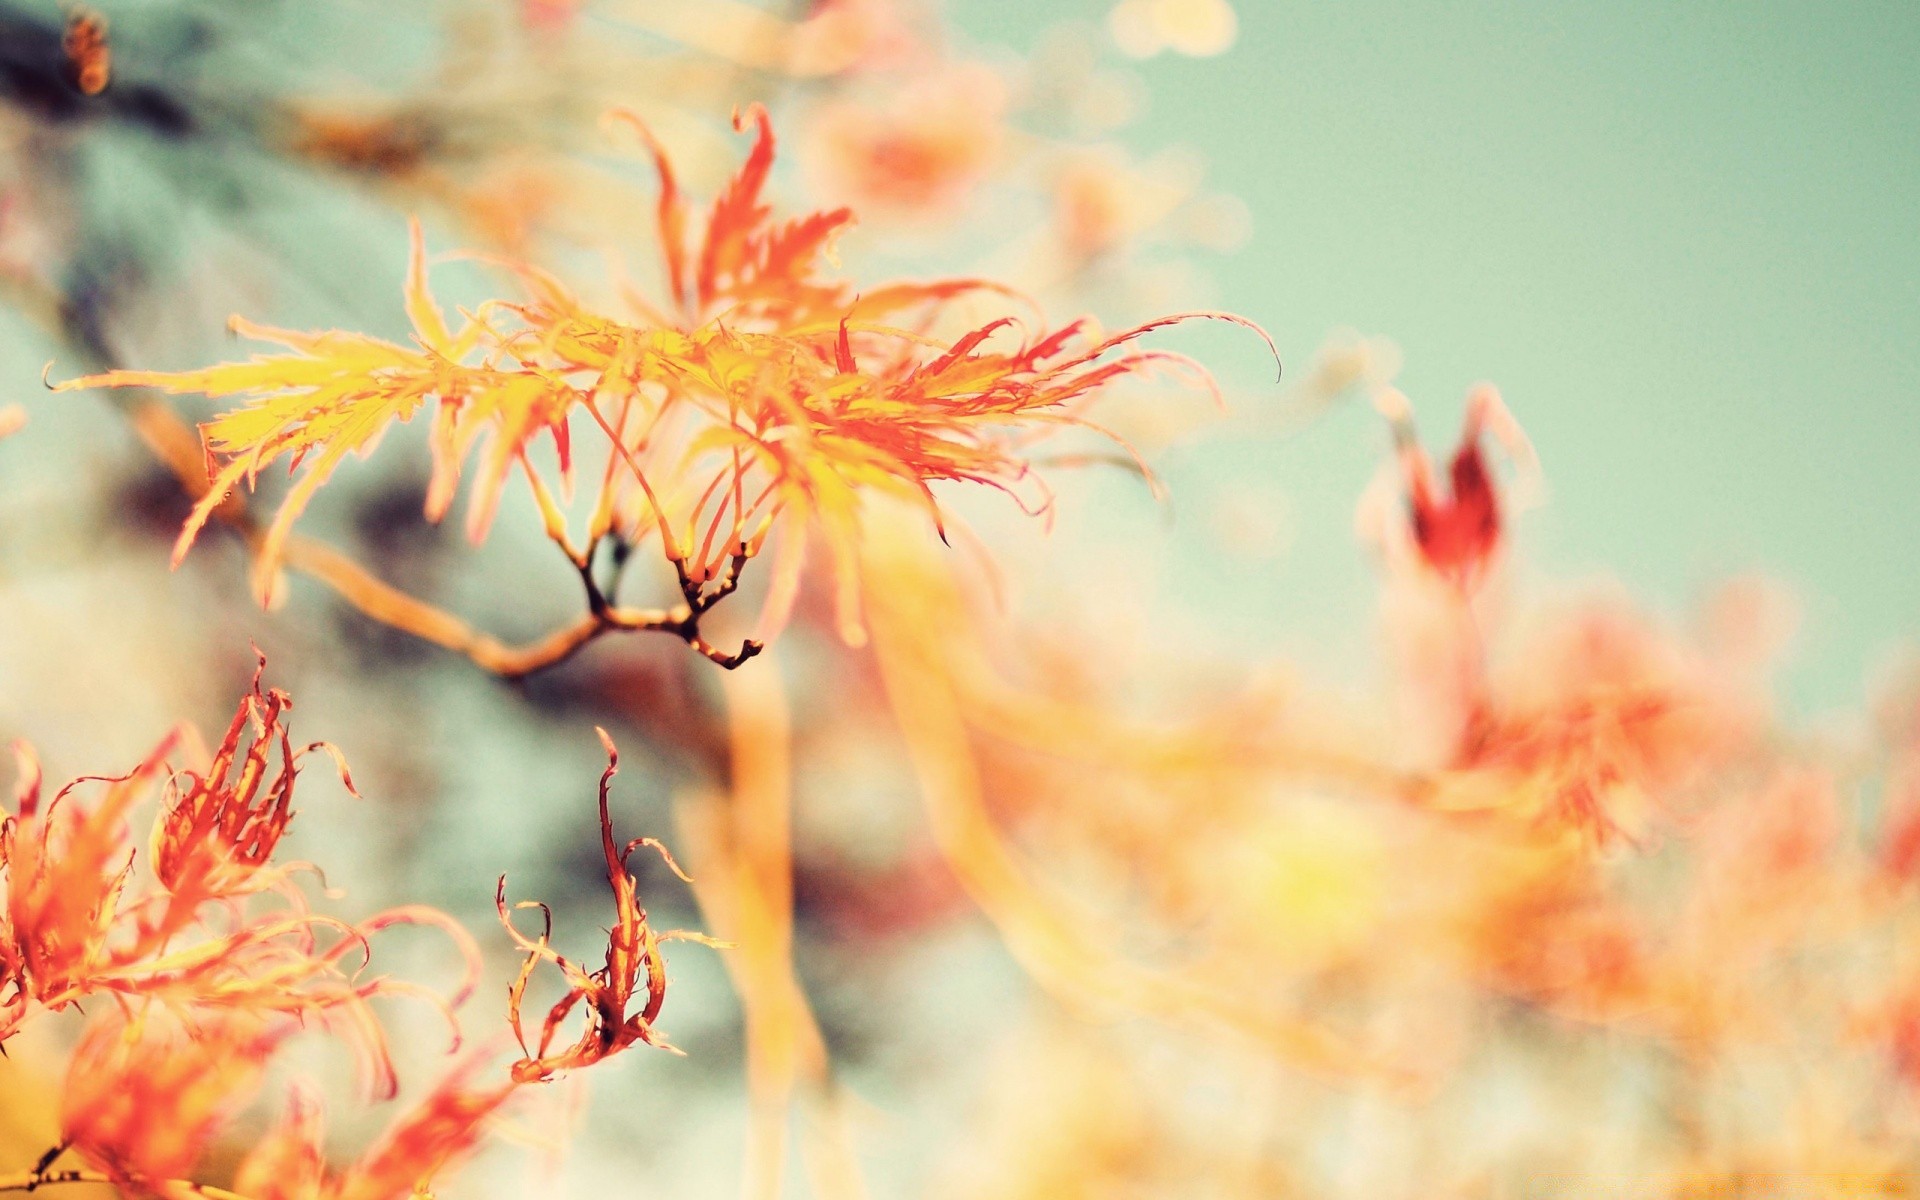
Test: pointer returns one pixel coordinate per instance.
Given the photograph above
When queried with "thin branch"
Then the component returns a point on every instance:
(30, 1181)
(381, 601)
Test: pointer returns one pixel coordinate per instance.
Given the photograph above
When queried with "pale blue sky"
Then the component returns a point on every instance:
(1684, 240)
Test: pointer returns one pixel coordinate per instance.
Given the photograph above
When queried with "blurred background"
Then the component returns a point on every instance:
(1680, 242)
(1675, 240)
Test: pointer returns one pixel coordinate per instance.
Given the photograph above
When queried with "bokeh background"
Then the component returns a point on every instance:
(1677, 240)
(1681, 241)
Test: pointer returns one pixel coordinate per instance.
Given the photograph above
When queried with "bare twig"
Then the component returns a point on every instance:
(34, 1180)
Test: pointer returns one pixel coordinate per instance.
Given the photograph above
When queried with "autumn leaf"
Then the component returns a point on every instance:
(130, 1068)
(765, 397)
(67, 869)
(634, 969)
(290, 1161)
(335, 395)
(221, 825)
(79, 922)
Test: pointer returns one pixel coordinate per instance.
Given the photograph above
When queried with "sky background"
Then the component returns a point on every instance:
(1681, 239)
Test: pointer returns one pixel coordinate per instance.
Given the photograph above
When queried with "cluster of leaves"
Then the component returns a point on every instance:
(212, 960)
(197, 936)
(759, 397)
(757, 403)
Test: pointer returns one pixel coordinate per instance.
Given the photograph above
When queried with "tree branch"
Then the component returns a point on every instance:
(30, 1181)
